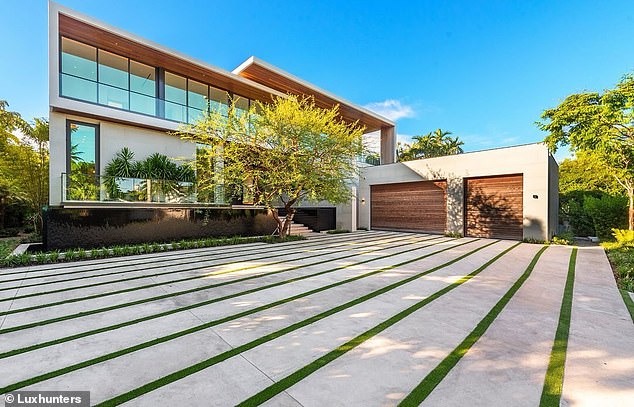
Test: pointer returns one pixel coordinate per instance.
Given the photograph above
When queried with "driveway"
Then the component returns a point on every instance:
(358, 319)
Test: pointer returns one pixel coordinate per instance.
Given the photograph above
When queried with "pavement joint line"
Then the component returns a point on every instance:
(208, 256)
(629, 303)
(302, 373)
(434, 377)
(240, 349)
(196, 289)
(554, 380)
(173, 253)
(196, 277)
(175, 376)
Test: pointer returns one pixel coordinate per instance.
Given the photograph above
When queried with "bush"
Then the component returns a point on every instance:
(571, 210)
(623, 237)
(607, 212)
(565, 239)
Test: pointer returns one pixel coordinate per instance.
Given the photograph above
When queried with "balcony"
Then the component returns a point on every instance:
(88, 189)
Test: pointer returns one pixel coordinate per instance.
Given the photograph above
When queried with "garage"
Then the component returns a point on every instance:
(416, 206)
(494, 206)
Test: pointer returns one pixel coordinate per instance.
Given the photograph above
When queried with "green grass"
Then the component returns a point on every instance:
(128, 250)
(7, 246)
(629, 303)
(196, 289)
(252, 344)
(554, 381)
(433, 378)
(192, 369)
(622, 260)
(337, 231)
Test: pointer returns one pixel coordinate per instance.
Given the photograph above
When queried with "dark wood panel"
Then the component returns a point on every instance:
(494, 207)
(409, 206)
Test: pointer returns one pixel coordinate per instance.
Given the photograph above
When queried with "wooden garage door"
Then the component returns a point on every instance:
(494, 207)
(420, 206)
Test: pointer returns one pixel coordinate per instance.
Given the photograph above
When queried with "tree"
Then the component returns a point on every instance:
(602, 124)
(433, 144)
(24, 158)
(587, 172)
(281, 153)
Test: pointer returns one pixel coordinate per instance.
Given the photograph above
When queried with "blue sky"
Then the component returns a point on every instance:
(484, 70)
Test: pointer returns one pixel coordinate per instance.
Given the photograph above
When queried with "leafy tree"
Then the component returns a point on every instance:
(281, 153)
(587, 172)
(23, 163)
(602, 124)
(433, 144)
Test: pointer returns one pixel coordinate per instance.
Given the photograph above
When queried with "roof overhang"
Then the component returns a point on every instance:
(273, 77)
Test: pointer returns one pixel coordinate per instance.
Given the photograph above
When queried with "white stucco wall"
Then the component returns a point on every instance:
(530, 160)
(113, 137)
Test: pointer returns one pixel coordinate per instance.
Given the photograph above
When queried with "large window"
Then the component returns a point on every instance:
(79, 70)
(98, 76)
(83, 157)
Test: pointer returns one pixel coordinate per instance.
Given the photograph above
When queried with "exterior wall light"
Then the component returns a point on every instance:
(535, 196)
(362, 201)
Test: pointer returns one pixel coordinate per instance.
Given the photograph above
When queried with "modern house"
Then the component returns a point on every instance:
(110, 89)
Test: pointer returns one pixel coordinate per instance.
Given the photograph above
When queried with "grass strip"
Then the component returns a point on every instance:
(629, 303)
(317, 364)
(180, 374)
(256, 342)
(554, 381)
(209, 256)
(196, 289)
(152, 258)
(190, 278)
(433, 378)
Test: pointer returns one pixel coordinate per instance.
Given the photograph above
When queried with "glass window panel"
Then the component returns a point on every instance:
(142, 78)
(113, 97)
(82, 182)
(241, 105)
(197, 95)
(142, 104)
(193, 115)
(175, 88)
(78, 88)
(218, 100)
(79, 59)
(175, 111)
(113, 69)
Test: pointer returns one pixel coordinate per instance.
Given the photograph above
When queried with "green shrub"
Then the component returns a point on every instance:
(147, 248)
(53, 256)
(571, 211)
(41, 257)
(7, 246)
(607, 212)
(69, 255)
(623, 236)
(337, 231)
(81, 254)
(565, 239)
(456, 235)
(622, 260)
(118, 251)
(533, 240)
(9, 232)
(277, 239)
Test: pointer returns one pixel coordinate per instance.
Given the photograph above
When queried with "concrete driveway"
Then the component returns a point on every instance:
(358, 319)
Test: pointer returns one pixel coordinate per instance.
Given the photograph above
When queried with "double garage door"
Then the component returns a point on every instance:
(493, 206)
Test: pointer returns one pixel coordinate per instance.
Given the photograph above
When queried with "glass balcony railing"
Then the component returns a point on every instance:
(78, 187)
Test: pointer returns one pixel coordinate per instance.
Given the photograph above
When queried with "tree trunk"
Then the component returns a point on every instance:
(280, 224)
(630, 221)
(149, 190)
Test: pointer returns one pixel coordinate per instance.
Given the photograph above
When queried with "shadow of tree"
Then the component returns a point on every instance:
(498, 214)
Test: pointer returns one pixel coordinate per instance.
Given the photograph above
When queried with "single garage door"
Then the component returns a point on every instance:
(418, 206)
(494, 207)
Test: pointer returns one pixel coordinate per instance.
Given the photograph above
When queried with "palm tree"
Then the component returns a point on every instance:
(433, 144)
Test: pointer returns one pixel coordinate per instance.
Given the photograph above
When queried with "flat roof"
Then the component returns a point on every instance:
(254, 79)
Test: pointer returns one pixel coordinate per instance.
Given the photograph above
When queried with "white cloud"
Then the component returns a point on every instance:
(392, 109)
